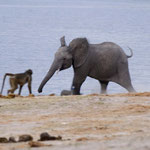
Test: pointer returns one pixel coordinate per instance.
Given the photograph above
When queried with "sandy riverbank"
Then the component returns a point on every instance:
(106, 122)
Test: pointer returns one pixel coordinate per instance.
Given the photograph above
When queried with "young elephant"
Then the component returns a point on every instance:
(105, 62)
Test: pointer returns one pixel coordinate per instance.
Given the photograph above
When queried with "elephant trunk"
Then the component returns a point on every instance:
(50, 73)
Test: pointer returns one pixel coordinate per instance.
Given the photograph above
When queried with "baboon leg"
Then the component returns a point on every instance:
(13, 85)
(11, 80)
(20, 89)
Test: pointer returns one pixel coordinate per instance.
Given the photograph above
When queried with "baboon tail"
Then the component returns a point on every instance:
(7, 74)
(129, 56)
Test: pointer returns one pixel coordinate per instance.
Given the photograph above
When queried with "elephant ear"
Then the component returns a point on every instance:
(79, 50)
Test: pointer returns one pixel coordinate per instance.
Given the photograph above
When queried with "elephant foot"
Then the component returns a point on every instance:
(131, 90)
(65, 92)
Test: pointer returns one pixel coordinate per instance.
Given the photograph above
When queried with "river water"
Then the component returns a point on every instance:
(30, 31)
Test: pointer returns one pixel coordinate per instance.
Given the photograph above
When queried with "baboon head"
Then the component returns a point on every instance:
(29, 71)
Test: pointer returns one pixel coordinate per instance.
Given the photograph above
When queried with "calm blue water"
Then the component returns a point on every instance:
(30, 31)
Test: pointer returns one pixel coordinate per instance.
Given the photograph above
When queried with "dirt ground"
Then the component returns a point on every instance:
(99, 122)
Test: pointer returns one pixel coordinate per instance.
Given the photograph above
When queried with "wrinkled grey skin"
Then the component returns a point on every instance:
(105, 62)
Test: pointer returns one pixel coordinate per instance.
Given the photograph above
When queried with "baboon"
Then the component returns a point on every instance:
(18, 79)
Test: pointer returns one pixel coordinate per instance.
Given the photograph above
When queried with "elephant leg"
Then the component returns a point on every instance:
(131, 89)
(104, 85)
(125, 81)
(76, 85)
(128, 87)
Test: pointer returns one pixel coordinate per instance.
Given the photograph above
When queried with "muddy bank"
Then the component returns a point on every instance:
(119, 121)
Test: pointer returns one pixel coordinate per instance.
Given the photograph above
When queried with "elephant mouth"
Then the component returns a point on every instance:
(63, 67)
(57, 71)
(60, 69)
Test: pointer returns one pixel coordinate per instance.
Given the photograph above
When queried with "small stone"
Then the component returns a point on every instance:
(46, 137)
(12, 139)
(30, 95)
(65, 93)
(11, 96)
(3, 140)
(25, 138)
(82, 139)
(37, 144)
(53, 94)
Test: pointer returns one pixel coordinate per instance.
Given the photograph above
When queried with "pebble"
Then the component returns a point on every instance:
(3, 140)
(38, 144)
(65, 93)
(12, 139)
(25, 138)
(46, 137)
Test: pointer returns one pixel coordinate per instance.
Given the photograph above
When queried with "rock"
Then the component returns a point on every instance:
(46, 137)
(53, 94)
(82, 139)
(11, 96)
(3, 140)
(25, 138)
(12, 140)
(30, 95)
(37, 144)
(65, 93)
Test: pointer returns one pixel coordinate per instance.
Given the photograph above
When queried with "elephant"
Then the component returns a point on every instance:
(106, 62)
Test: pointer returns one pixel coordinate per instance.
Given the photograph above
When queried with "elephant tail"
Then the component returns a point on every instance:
(129, 56)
